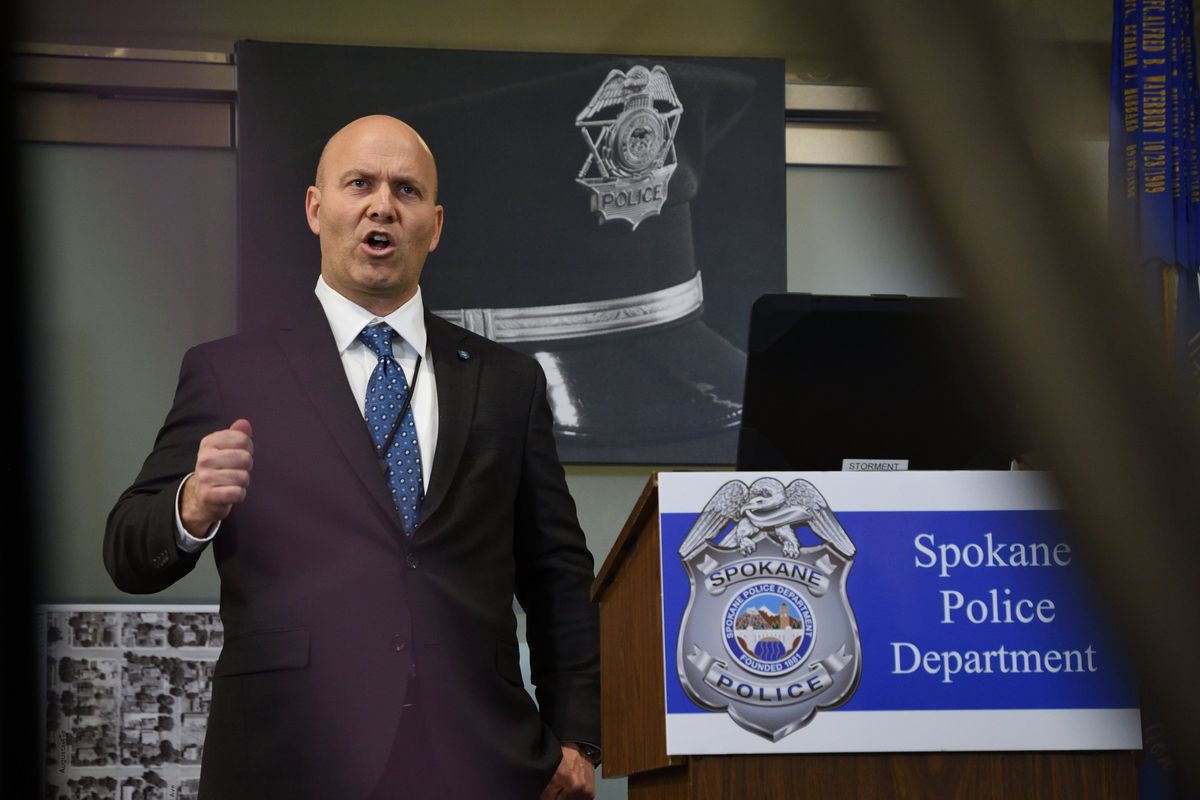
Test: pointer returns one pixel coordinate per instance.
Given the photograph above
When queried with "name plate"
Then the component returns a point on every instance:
(882, 611)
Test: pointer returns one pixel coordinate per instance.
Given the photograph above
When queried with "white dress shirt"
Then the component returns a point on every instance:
(346, 320)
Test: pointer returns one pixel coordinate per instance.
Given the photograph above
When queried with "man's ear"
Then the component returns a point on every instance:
(312, 204)
(437, 230)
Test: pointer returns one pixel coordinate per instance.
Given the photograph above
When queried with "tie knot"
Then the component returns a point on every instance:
(378, 338)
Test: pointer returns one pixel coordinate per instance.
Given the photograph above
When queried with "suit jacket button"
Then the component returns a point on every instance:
(398, 644)
(412, 560)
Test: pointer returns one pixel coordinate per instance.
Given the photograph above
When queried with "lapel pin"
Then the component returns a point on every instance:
(463, 355)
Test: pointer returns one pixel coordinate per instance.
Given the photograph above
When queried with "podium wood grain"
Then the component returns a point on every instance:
(898, 776)
(633, 731)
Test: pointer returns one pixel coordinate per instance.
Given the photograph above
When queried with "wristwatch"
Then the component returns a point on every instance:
(588, 751)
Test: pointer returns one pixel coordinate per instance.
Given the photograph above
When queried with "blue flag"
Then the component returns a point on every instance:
(1154, 171)
(1154, 203)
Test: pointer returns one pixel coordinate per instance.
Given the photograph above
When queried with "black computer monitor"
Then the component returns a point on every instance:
(831, 379)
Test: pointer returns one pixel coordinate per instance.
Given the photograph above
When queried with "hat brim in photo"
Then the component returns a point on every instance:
(671, 384)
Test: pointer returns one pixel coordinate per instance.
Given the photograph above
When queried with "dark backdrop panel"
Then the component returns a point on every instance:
(520, 232)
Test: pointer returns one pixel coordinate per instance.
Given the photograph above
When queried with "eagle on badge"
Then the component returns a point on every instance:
(766, 508)
(626, 89)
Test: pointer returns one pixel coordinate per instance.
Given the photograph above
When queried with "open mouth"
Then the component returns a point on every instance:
(378, 241)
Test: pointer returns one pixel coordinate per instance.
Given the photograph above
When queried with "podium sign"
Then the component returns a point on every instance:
(882, 611)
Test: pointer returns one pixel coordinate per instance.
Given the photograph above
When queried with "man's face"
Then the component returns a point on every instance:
(374, 207)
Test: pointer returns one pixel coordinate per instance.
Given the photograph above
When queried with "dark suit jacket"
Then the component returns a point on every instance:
(327, 605)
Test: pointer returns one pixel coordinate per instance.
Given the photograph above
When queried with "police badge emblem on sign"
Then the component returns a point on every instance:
(768, 634)
(629, 126)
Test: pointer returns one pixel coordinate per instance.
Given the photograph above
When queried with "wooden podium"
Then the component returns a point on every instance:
(633, 712)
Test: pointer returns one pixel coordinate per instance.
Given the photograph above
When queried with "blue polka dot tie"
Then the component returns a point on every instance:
(386, 393)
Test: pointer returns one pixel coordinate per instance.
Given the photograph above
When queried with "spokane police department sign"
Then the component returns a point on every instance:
(828, 612)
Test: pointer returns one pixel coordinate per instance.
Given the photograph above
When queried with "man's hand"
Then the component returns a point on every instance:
(575, 778)
(223, 465)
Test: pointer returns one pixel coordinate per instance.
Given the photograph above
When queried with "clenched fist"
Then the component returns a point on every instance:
(222, 476)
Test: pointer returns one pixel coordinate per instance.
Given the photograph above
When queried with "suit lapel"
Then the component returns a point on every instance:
(457, 381)
(312, 353)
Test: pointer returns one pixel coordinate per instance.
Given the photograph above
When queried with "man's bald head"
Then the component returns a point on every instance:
(374, 207)
(380, 126)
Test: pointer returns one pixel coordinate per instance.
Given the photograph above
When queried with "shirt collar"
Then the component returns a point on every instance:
(347, 319)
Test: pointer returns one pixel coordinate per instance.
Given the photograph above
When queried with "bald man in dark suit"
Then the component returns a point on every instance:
(368, 575)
